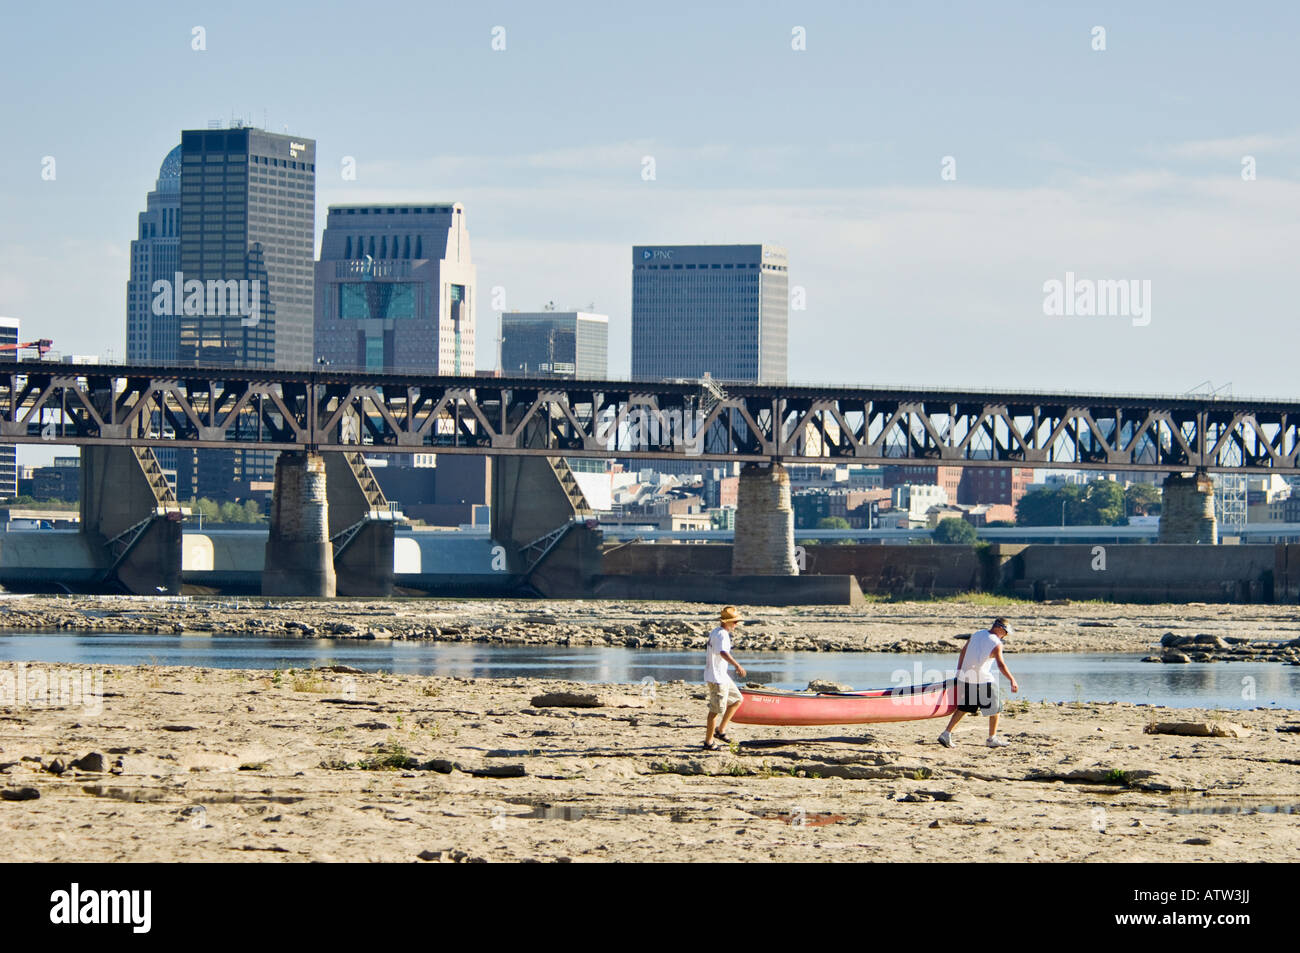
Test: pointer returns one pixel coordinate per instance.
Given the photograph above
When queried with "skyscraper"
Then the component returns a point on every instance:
(395, 289)
(242, 295)
(248, 224)
(555, 344)
(155, 255)
(9, 451)
(717, 309)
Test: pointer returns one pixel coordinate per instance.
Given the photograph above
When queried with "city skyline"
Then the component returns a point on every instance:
(1126, 166)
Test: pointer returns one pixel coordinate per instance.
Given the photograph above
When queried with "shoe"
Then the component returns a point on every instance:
(997, 741)
(945, 739)
(721, 737)
(709, 746)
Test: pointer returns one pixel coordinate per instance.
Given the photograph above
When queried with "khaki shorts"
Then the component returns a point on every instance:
(721, 697)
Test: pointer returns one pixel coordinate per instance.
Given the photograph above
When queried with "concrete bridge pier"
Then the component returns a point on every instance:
(299, 554)
(1187, 509)
(539, 518)
(764, 540)
(130, 521)
(361, 527)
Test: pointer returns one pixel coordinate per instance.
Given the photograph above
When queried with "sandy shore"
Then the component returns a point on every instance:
(202, 764)
(877, 627)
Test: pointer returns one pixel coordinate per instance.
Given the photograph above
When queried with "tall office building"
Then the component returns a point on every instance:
(244, 299)
(395, 289)
(555, 344)
(716, 309)
(155, 255)
(8, 451)
(248, 215)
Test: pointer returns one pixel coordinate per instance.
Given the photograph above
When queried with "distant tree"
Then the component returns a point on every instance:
(1143, 499)
(1103, 504)
(955, 530)
(32, 502)
(833, 522)
(1050, 507)
(1001, 524)
(207, 509)
(1100, 503)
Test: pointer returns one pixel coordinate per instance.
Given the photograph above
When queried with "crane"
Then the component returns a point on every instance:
(42, 346)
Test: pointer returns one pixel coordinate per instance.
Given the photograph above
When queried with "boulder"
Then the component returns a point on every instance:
(1174, 657)
(588, 700)
(91, 762)
(1198, 729)
(825, 685)
(20, 794)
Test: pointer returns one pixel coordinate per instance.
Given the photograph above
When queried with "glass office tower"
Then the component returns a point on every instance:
(248, 214)
(153, 334)
(555, 344)
(717, 309)
(245, 296)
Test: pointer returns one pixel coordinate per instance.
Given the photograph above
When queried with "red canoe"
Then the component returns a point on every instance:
(910, 703)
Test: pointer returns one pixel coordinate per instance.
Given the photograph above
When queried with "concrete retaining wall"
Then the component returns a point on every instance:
(1127, 573)
(1118, 572)
(738, 590)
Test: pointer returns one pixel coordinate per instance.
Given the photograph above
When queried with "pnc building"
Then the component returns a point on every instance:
(716, 309)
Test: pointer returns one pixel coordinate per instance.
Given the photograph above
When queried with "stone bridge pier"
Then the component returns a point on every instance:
(299, 555)
(332, 532)
(764, 540)
(1187, 509)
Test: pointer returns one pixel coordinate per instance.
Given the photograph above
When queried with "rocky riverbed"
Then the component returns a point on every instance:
(1198, 632)
(189, 764)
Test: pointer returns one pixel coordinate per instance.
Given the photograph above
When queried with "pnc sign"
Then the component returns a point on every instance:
(656, 254)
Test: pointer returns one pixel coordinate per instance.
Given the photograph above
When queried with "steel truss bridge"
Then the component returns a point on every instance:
(230, 408)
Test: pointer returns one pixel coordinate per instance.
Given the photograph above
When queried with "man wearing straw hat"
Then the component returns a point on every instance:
(724, 696)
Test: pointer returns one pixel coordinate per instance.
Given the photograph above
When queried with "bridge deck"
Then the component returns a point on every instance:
(226, 408)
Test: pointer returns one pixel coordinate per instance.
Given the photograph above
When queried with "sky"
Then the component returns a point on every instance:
(930, 167)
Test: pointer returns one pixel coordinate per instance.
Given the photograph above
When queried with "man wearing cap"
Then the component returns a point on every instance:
(977, 686)
(724, 696)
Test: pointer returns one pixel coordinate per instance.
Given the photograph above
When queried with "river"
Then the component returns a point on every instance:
(1050, 677)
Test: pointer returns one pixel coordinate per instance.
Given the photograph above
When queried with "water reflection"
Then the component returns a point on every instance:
(1046, 677)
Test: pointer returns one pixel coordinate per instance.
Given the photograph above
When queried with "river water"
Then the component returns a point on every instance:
(1052, 677)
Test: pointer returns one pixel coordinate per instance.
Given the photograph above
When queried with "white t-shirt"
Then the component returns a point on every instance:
(978, 663)
(715, 666)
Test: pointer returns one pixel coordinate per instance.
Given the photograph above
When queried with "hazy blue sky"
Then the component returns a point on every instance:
(1117, 164)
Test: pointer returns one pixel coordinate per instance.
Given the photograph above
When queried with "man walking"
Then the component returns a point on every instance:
(724, 696)
(977, 686)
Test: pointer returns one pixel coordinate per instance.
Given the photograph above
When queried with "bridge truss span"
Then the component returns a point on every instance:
(225, 408)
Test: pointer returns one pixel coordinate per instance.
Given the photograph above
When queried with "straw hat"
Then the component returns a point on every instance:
(729, 614)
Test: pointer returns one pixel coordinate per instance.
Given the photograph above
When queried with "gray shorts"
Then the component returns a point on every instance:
(978, 698)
